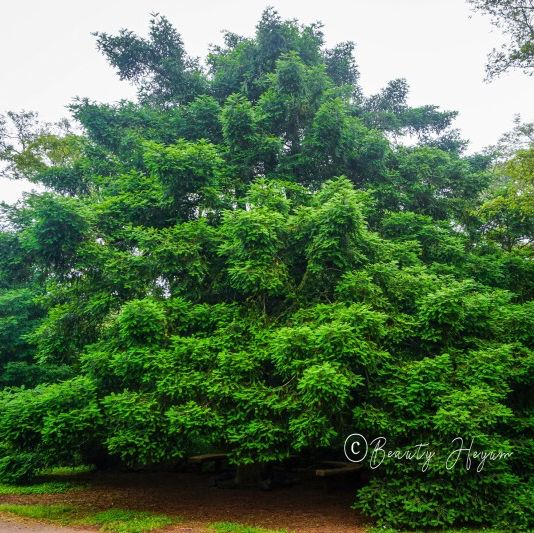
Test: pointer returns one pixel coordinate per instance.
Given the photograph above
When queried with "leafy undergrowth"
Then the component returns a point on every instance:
(462, 530)
(230, 527)
(46, 484)
(47, 487)
(112, 520)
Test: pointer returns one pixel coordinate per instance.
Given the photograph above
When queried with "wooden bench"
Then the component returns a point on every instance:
(217, 458)
(337, 468)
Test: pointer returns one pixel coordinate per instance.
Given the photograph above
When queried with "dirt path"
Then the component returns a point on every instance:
(7, 525)
(304, 508)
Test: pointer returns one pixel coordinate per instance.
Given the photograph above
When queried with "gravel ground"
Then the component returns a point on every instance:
(11, 526)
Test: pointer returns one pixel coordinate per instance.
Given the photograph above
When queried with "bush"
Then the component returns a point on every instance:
(20, 468)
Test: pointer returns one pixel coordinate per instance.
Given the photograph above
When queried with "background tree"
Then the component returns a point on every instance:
(516, 19)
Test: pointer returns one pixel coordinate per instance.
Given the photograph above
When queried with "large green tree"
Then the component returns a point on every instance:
(250, 259)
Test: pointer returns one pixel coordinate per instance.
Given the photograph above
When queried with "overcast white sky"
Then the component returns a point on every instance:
(48, 56)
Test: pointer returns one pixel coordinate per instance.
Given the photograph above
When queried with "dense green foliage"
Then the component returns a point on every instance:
(250, 259)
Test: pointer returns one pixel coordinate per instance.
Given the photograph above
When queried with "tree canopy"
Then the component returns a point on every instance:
(259, 258)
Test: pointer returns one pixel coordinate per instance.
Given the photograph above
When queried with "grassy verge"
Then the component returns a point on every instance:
(67, 470)
(55, 513)
(112, 520)
(48, 487)
(126, 521)
(231, 527)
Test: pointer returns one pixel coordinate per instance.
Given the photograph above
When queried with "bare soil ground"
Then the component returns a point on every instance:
(8, 525)
(309, 507)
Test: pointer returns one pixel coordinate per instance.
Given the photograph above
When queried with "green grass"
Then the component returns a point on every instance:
(126, 521)
(48, 487)
(230, 527)
(54, 512)
(67, 470)
(112, 520)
